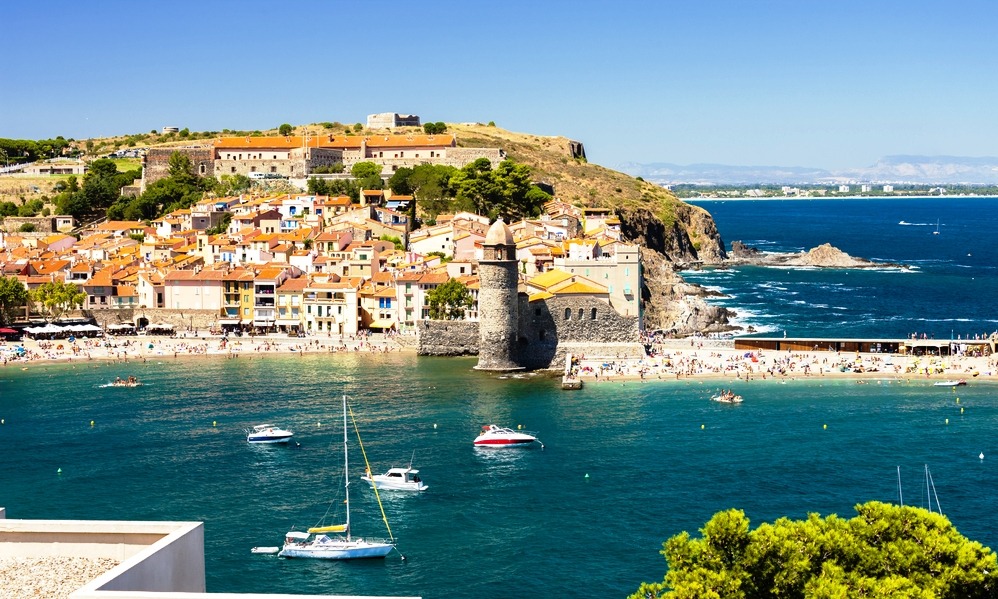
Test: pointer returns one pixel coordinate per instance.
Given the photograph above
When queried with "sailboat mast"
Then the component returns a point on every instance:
(346, 466)
(900, 496)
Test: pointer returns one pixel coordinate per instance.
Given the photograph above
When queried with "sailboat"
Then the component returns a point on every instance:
(930, 490)
(317, 543)
(936, 232)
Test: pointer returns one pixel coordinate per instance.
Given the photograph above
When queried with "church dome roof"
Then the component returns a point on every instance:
(499, 234)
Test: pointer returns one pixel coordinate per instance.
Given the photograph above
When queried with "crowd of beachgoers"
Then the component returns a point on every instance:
(141, 347)
(668, 359)
(713, 357)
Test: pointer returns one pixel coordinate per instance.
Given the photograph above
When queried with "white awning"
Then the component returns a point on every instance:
(228, 321)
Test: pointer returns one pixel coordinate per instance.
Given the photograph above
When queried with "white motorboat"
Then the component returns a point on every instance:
(396, 479)
(317, 543)
(494, 436)
(727, 397)
(959, 383)
(268, 433)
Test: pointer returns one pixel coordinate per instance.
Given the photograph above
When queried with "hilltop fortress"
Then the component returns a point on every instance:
(298, 156)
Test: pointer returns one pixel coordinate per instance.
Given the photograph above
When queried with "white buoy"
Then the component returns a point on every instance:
(434, 425)
(981, 456)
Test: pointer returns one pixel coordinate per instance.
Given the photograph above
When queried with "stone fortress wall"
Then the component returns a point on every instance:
(547, 331)
(156, 162)
(298, 163)
(182, 320)
(447, 338)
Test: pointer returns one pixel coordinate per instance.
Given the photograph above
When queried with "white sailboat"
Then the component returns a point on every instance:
(317, 543)
(936, 232)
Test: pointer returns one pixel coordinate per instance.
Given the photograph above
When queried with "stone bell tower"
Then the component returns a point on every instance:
(498, 305)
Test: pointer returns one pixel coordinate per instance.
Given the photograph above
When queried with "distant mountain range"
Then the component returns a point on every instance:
(921, 170)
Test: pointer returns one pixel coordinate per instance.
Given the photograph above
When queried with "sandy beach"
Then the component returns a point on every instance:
(676, 360)
(144, 347)
(686, 359)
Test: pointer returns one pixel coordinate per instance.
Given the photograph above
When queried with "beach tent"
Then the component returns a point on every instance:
(84, 329)
(48, 330)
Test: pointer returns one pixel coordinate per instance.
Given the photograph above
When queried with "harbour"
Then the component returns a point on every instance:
(653, 458)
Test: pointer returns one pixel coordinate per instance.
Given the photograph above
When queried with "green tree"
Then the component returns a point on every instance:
(368, 175)
(54, 298)
(13, 296)
(434, 128)
(285, 129)
(317, 186)
(449, 301)
(400, 183)
(233, 184)
(8, 209)
(30, 208)
(222, 226)
(27, 228)
(395, 240)
(885, 551)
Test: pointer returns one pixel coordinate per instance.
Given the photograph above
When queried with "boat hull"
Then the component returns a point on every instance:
(382, 483)
(269, 439)
(504, 443)
(356, 549)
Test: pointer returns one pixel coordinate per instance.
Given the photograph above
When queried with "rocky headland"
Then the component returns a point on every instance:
(822, 256)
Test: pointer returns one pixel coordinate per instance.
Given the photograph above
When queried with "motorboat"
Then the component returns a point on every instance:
(396, 479)
(495, 436)
(268, 433)
(959, 383)
(727, 397)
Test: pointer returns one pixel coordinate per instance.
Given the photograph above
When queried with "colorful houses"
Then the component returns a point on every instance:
(316, 265)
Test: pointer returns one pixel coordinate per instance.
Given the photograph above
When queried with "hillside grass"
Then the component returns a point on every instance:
(575, 180)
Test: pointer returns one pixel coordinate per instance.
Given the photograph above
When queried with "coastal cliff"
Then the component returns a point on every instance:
(673, 234)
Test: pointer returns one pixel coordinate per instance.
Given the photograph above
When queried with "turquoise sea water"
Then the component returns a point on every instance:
(491, 524)
(948, 289)
(530, 522)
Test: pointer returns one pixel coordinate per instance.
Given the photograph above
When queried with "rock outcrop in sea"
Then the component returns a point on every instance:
(822, 256)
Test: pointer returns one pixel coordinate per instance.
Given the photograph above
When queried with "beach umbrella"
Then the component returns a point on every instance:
(6, 331)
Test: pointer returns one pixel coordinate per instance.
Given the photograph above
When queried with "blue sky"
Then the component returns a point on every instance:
(791, 83)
